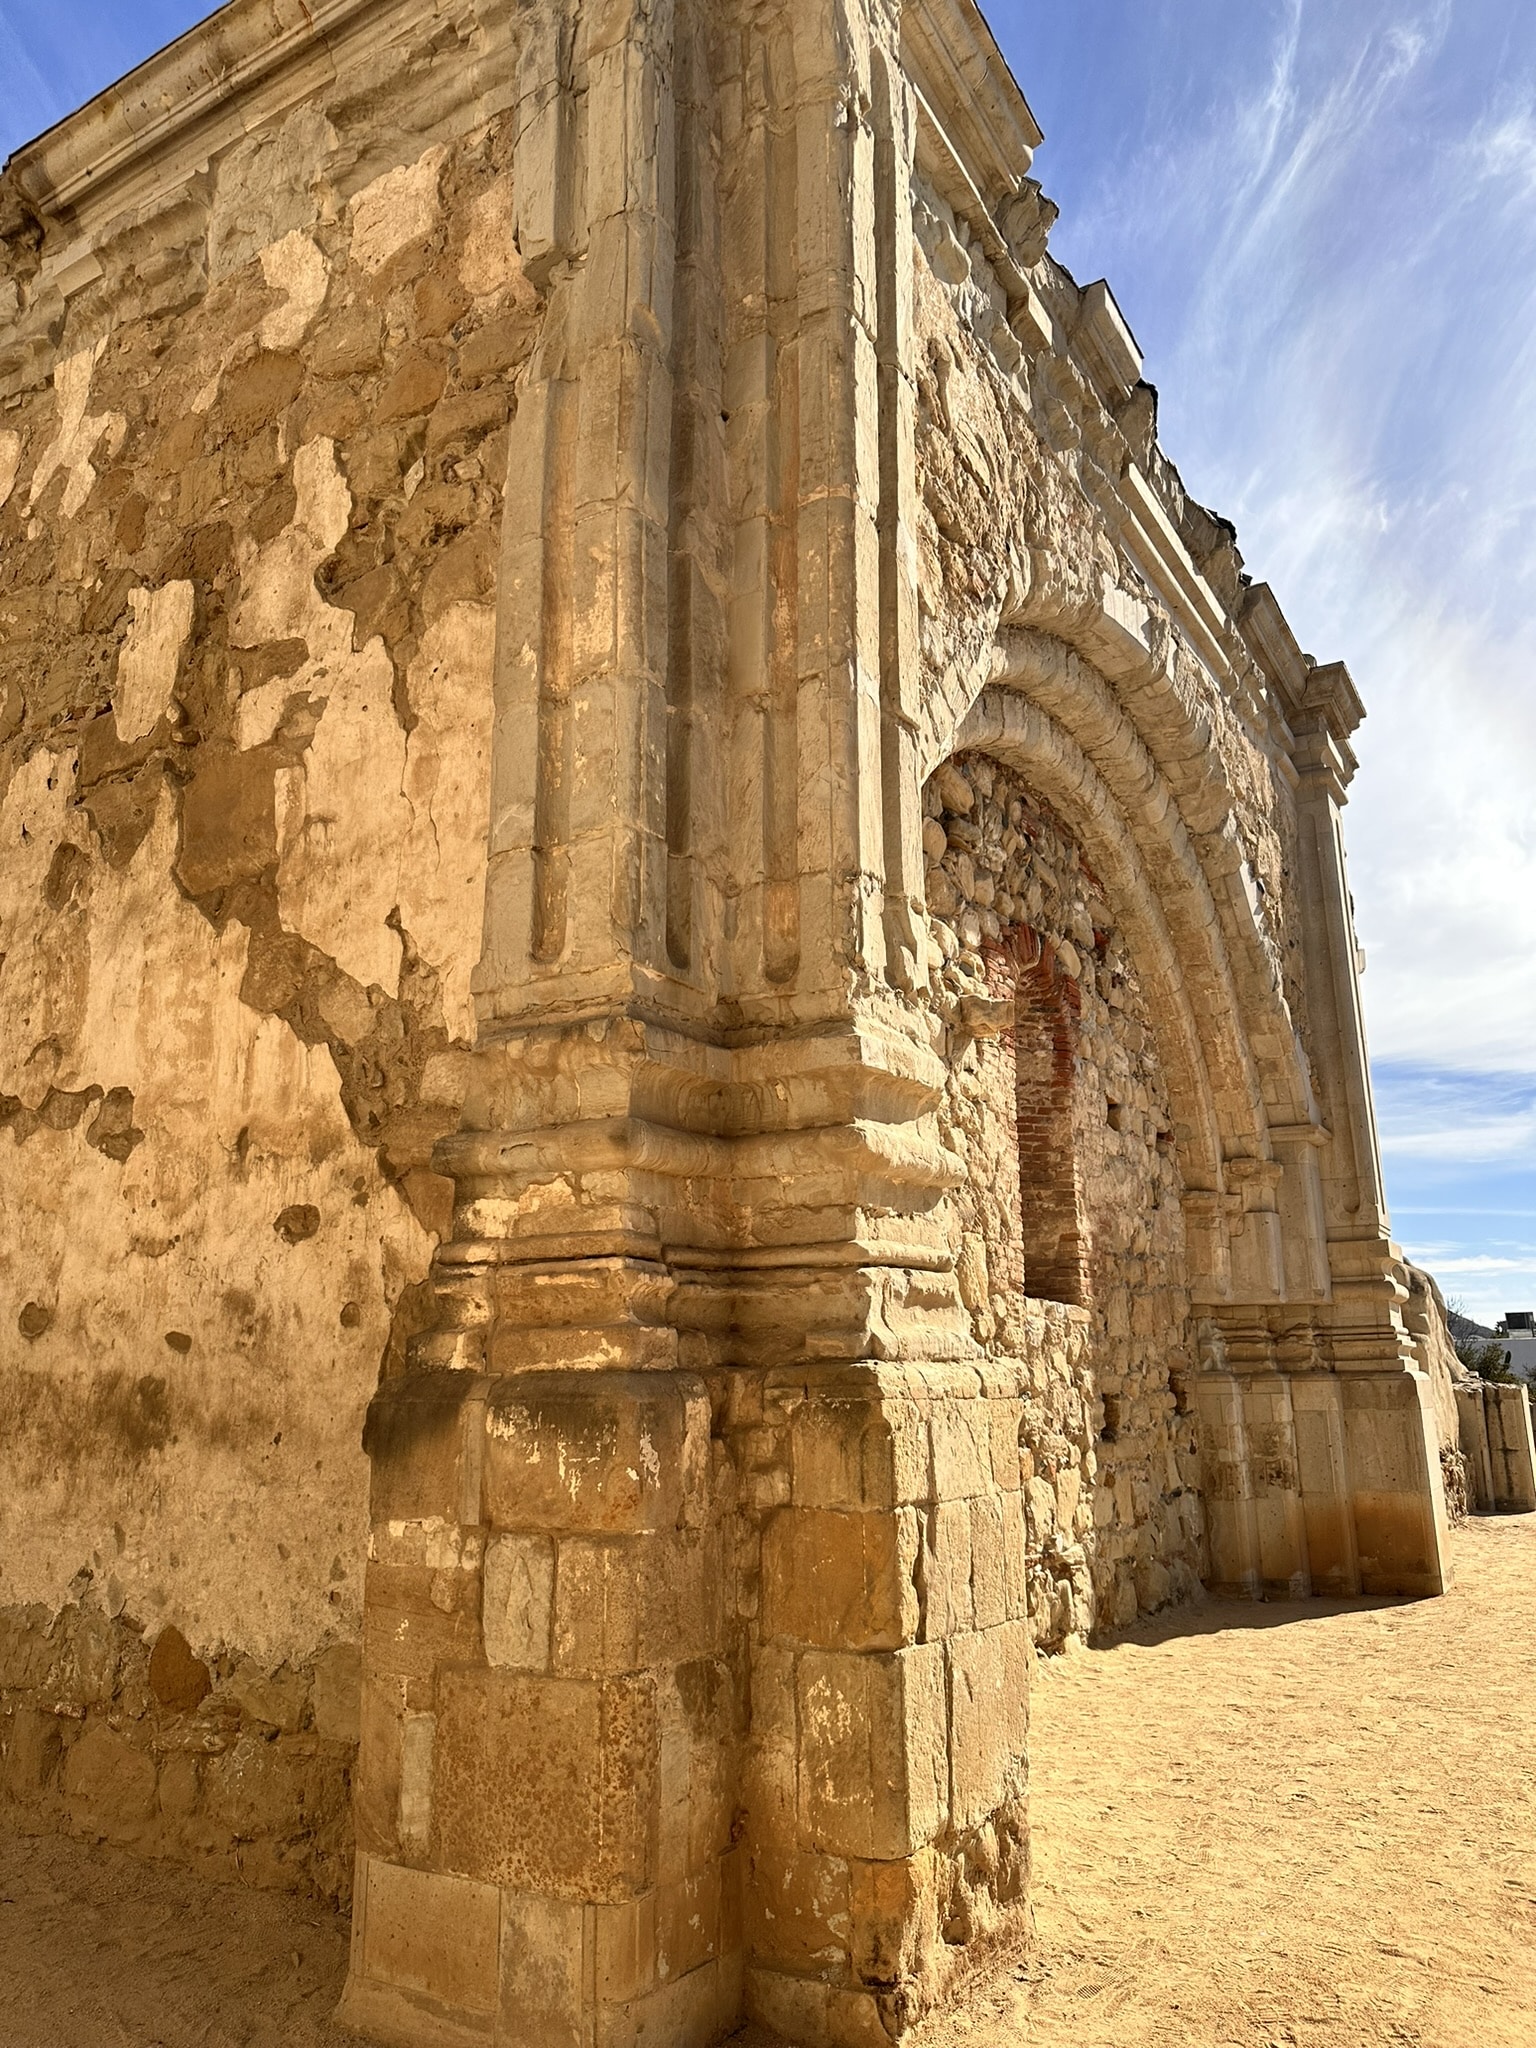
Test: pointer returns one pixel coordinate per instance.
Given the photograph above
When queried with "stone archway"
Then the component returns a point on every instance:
(1070, 1215)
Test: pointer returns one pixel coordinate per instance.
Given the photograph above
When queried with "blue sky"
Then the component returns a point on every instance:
(1320, 220)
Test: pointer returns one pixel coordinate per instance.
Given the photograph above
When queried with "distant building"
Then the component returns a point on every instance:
(1517, 1332)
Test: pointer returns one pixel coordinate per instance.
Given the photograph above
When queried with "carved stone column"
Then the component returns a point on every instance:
(696, 1660)
(1328, 1479)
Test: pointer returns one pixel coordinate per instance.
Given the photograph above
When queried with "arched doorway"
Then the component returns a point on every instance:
(1072, 1253)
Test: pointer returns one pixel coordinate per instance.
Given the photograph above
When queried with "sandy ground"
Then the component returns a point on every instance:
(1306, 1826)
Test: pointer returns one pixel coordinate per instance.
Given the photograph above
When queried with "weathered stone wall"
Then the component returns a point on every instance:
(242, 1771)
(1005, 422)
(250, 483)
(657, 878)
(1110, 1453)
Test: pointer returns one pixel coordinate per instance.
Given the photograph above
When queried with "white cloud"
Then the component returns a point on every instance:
(1485, 1264)
(1350, 382)
(1502, 149)
(1470, 1144)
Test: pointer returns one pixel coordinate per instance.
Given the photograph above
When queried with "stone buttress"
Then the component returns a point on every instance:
(697, 1633)
(665, 1722)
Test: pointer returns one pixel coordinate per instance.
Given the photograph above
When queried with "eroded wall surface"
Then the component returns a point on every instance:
(1066, 1114)
(640, 821)
(250, 485)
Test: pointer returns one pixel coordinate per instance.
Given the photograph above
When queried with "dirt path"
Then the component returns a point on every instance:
(1289, 1824)
(1304, 1826)
(99, 1950)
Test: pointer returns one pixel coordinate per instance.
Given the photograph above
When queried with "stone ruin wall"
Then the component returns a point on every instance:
(1000, 426)
(1109, 1451)
(250, 484)
(764, 1707)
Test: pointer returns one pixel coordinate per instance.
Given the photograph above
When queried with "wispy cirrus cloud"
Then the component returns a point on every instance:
(1345, 367)
(1319, 221)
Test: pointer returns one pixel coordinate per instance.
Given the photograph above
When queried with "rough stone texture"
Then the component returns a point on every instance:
(243, 1772)
(662, 892)
(1059, 1109)
(250, 504)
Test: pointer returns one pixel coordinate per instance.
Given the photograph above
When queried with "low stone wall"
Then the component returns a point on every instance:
(111, 1735)
(1497, 1446)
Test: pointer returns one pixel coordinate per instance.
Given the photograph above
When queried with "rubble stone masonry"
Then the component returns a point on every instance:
(680, 1057)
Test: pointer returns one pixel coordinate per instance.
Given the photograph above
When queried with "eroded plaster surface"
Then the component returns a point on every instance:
(248, 509)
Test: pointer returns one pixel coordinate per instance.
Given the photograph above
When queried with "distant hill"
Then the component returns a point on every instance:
(1463, 1326)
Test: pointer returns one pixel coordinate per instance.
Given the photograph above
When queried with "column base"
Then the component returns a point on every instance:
(1322, 1484)
(440, 1961)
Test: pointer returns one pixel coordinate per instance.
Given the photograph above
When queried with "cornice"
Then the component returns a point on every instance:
(976, 133)
(195, 92)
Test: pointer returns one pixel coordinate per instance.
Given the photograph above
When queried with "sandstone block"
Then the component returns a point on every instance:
(989, 1590)
(594, 1452)
(874, 1773)
(497, 347)
(519, 1589)
(415, 1439)
(893, 1913)
(688, 1922)
(414, 388)
(815, 2014)
(109, 1784)
(255, 1787)
(176, 1678)
(179, 1788)
(543, 1969)
(841, 1580)
(548, 1785)
(798, 1911)
(691, 2012)
(989, 1719)
(348, 345)
(624, 1948)
(623, 1603)
(33, 1751)
(416, 1618)
(946, 1572)
(277, 1699)
(961, 1435)
(337, 1695)
(427, 1932)
(773, 1754)
(854, 1454)
(381, 1726)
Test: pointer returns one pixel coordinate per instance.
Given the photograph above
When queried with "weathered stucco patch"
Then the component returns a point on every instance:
(491, 260)
(75, 442)
(264, 188)
(277, 1332)
(278, 599)
(342, 819)
(146, 668)
(342, 816)
(396, 209)
(295, 267)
